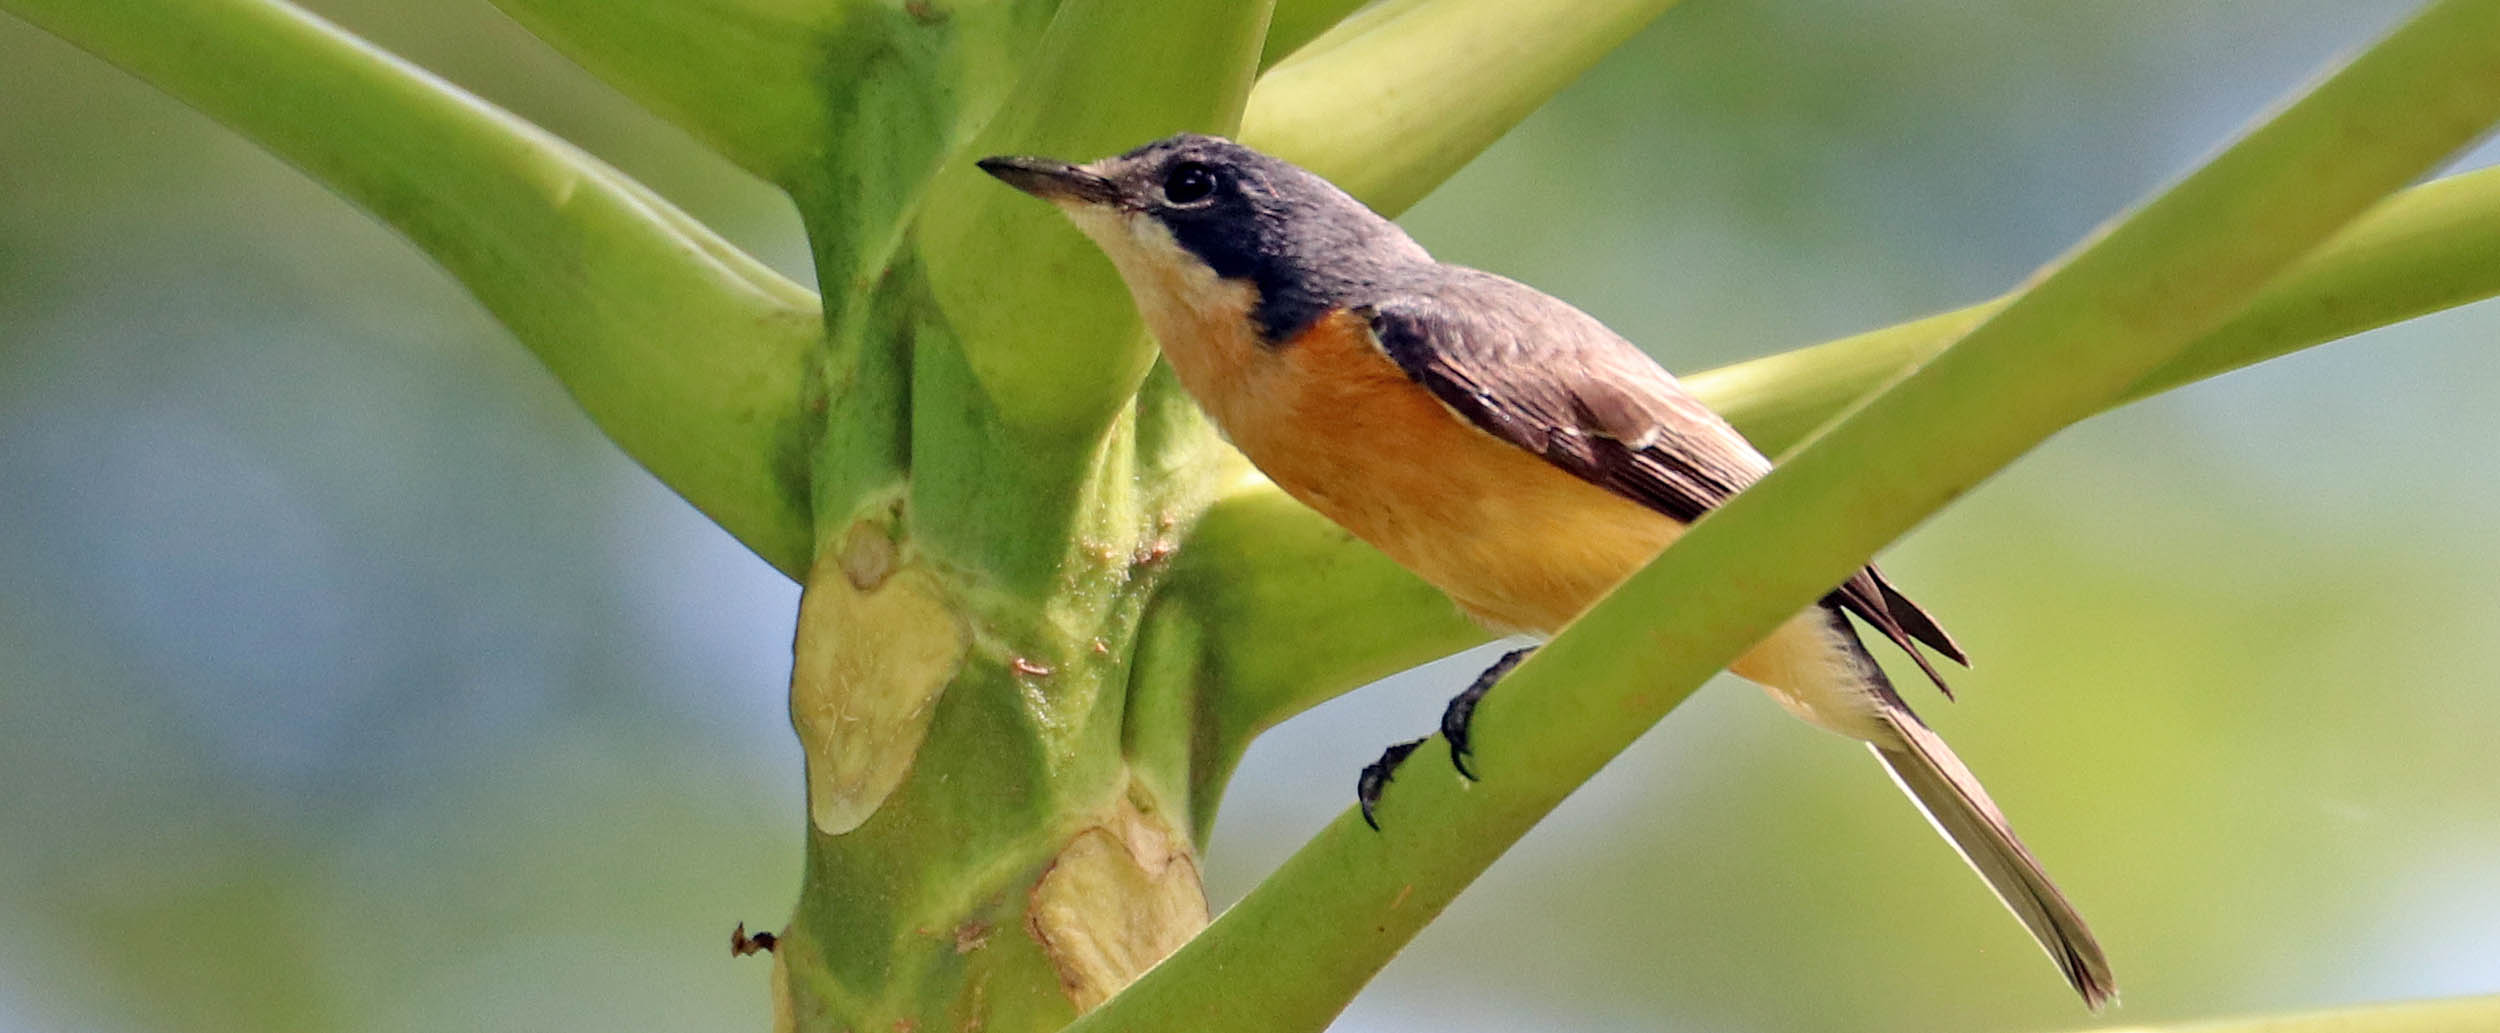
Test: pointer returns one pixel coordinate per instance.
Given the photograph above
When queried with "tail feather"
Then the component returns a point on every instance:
(1927, 770)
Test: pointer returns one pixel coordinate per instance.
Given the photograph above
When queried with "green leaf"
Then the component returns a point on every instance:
(687, 352)
(2113, 312)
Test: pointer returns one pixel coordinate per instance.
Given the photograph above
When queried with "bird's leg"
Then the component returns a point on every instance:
(1462, 708)
(1454, 721)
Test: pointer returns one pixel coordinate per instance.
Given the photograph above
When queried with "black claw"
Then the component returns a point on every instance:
(1376, 778)
(1454, 720)
(1462, 709)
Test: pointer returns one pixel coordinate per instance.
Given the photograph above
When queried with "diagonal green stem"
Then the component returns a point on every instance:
(2433, 247)
(686, 351)
(1396, 97)
(2112, 313)
(1298, 22)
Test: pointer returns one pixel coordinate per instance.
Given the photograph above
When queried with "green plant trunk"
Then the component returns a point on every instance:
(980, 854)
(984, 852)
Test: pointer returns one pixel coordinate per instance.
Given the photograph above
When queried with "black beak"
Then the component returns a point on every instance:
(1051, 180)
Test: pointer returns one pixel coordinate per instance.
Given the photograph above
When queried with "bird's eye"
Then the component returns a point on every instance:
(1188, 183)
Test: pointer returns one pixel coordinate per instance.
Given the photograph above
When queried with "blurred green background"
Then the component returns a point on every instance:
(349, 681)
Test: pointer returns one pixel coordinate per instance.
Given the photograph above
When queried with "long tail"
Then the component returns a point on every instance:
(1953, 800)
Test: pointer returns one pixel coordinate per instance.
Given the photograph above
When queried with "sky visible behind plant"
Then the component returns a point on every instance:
(349, 680)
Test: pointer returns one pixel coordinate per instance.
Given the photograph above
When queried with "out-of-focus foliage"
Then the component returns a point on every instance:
(349, 680)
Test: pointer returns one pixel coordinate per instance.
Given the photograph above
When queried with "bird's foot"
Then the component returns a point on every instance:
(1454, 721)
(1462, 709)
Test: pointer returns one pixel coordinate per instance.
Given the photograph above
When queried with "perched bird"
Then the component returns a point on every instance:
(1503, 445)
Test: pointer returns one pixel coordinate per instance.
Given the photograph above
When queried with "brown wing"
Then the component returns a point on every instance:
(1588, 401)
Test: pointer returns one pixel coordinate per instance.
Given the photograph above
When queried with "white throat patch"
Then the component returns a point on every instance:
(1176, 292)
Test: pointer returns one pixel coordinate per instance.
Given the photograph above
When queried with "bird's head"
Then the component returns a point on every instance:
(1203, 210)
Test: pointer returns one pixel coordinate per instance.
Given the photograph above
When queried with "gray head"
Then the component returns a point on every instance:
(1179, 209)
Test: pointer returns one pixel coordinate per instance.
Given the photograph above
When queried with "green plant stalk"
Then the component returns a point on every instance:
(830, 99)
(2446, 1016)
(738, 74)
(983, 852)
(901, 88)
(1399, 95)
(685, 351)
(2433, 247)
(1298, 22)
(2429, 248)
(2112, 313)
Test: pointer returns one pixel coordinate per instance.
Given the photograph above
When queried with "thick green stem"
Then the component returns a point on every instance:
(963, 704)
(2114, 312)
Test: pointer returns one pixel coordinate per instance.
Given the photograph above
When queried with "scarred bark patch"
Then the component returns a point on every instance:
(1118, 898)
(876, 645)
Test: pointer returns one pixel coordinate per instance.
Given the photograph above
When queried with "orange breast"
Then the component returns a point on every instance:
(1513, 539)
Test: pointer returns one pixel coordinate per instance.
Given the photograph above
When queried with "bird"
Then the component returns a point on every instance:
(1498, 442)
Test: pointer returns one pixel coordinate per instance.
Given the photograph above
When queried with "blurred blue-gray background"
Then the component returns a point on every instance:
(350, 681)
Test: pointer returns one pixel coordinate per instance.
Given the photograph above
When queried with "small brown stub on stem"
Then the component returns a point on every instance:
(1031, 668)
(741, 944)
